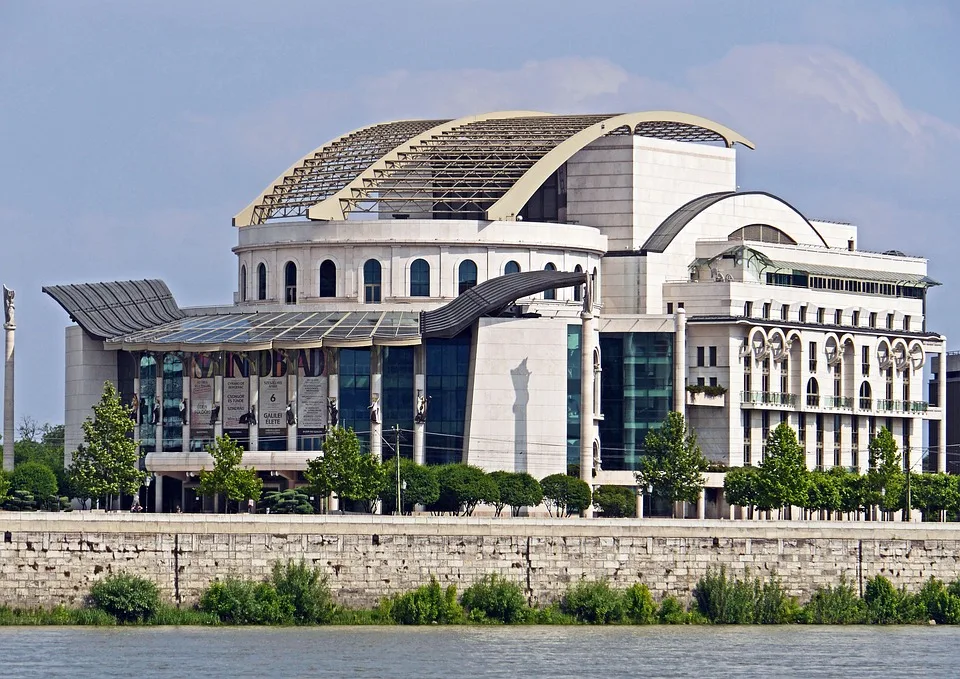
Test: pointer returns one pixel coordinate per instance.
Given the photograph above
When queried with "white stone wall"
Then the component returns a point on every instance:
(88, 366)
(517, 408)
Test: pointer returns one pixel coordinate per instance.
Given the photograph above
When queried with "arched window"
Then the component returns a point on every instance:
(290, 283)
(243, 282)
(261, 281)
(813, 392)
(578, 289)
(467, 276)
(762, 233)
(328, 279)
(371, 281)
(420, 278)
(511, 267)
(550, 294)
(866, 395)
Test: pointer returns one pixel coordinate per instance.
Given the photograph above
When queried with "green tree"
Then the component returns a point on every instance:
(4, 486)
(519, 490)
(615, 501)
(39, 480)
(885, 479)
(565, 495)
(462, 488)
(933, 493)
(672, 461)
(44, 444)
(851, 491)
(347, 471)
(419, 486)
(824, 492)
(106, 463)
(228, 476)
(741, 487)
(783, 476)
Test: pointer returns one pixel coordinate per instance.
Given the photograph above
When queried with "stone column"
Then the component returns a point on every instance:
(942, 402)
(10, 327)
(702, 504)
(158, 493)
(587, 425)
(680, 362)
(640, 504)
(253, 430)
(420, 403)
(376, 414)
(293, 378)
(333, 395)
(158, 398)
(187, 377)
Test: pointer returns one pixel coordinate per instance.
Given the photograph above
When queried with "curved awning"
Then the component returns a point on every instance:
(106, 310)
(490, 297)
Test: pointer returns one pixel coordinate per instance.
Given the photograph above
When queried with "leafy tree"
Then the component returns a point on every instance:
(347, 471)
(227, 476)
(824, 492)
(615, 501)
(851, 490)
(292, 501)
(37, 479)
(565, 495)
(106, 463)
(44, 444)
(673, 463)
(518, 490)
(885, 479)
(462, 488)
(933, 493)
(741, 487)
(419, 486)
(783, 475)
(4, 486)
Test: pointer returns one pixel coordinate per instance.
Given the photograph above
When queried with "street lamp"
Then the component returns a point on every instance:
(146, 490)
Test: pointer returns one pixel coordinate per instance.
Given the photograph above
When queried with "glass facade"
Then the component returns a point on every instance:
(354, 402)
(397, 400)
(172, 398)
(148, 394)
(636, 393)
(420, 278)
(448, 369)
(574, 362)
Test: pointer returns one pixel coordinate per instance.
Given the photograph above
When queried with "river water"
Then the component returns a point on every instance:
(443, 652)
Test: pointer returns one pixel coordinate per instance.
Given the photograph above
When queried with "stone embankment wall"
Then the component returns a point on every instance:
(46, 559)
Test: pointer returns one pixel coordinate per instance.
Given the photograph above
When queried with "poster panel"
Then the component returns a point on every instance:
(273, 403)
(201, 403)
(236, 401)
(312, 403)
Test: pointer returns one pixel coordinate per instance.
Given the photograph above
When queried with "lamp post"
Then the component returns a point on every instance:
(146, 490)
(396, 452)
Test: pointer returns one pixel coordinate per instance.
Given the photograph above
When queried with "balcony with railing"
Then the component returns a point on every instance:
(894, 406)
(838, 402)
(769, 398)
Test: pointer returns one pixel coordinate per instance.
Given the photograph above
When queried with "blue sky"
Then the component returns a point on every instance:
(130, 133)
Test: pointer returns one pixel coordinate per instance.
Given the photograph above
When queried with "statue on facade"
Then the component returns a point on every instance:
(214, 414)
(156, 411)
(184, 418)
(334, 412)
(597, 467)
(374, 409)
(422, 404)
(135, 409)
(291, 415)
(249, 417)
(8, 307)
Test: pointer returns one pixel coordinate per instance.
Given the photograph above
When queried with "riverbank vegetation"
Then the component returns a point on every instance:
(298, 594)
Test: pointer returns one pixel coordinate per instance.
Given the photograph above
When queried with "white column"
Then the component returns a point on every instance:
(942, 402)
(640, 504)
(254, 407)
(702, 505)
(680, 362)
(333, 389)
(158, 398)
(10, 328)
(158, 493)
(376, 414)
(218, 398)
(293, 378)
(420, 388)
(587, 425)
(187, 364)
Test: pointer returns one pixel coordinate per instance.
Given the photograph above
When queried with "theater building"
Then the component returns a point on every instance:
(519, 291)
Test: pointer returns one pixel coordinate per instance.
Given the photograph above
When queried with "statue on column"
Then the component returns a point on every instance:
(422, 404)
(334, 412)
(156, 411)
(135, 409)
(214, 413)
(184, 411)
(291, 415)
(374, 409)
(8, 307)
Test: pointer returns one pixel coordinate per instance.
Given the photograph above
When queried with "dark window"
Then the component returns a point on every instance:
(784, 312)
(550, 294)
(328, 279)
(766, 310)
(371, 281)
(713, 381)
(578, 289)
(290, 283)
(669, 307)
(855, 319)
(713, 356)
(243, 283)
(354, 391)
(398, 399)
(889, 321)
(448, 369)
(838, 317)
(813, 392)
(420, 278)
(700, 357)
(574, 357)
(172, 397)
(906, 323)
(511, 267)
(748, 309)
(873, 320)
(262, 281)
(466, 276)
(148, 395)
(803, 314)
(821, 316)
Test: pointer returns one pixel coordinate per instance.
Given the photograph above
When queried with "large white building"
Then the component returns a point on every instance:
(519, 291)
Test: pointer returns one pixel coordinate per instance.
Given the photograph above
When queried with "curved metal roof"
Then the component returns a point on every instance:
(487, 165)
(491, 296)
(670, 228)
(107, 310)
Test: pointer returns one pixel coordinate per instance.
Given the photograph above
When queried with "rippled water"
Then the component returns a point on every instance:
(528, 652)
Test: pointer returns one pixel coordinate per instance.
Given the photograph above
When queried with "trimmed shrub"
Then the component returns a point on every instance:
(495, 598)
(593, 602)
(293, 501)
(839, 605)
(638, 605)
(462, 488)
(426, 605)
(304, 591)
(128, 598)
(615, 501)
(566, 494)
(244, 602)
(37, 479)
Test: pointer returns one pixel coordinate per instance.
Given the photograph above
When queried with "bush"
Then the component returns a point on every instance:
(518, 490)
(615, 501)
(462, 488)
(839, 605)
(37, 479)
(773, 606)
(287, 502)
(171, 615)
(244, 602)
(496, 598)
(304, 591)
(937, 602)
(672, 612)
(20, 501)
(638, 605)
(883, 601)
(593, 602)
(426, 605)
(128, 598)
(724, 600)
(568, 495)
(551, 615)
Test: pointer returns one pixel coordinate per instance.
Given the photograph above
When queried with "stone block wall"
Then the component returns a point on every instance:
(47, 559)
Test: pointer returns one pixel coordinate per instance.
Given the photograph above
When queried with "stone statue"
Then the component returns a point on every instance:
(8, 306)
(422, 404)
(291, 415)
(334, 412)
(374, 409)
(135, 409)
(156, 411)
(214, 414)
(184, 411)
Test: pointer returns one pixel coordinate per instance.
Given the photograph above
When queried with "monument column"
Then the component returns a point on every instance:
(587, 425)
(420, 404)
(941, 401)
(10, 327)
(376, 421)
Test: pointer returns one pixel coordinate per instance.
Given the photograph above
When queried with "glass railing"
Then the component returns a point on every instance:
(894, 406)
(838, 402)
(865, 403)
(769, 398)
